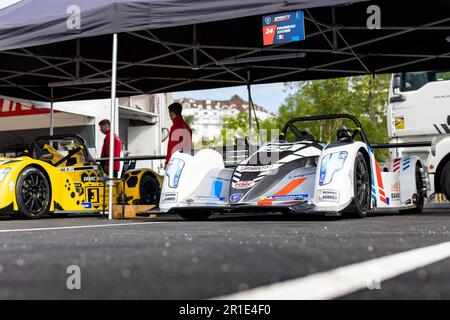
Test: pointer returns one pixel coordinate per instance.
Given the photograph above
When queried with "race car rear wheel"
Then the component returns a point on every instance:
(420, 195)
(445, 180)
(33, 193)
(195, 215)
(361, 187)
(149, 190)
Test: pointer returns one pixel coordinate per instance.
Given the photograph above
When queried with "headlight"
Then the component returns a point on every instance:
(331, 163)
(3, 173)
(173, 172)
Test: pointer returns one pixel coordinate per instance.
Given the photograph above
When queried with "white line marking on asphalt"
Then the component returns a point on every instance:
(348, 279)
(81, 227)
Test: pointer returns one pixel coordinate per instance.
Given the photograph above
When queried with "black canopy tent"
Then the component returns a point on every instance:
(176, 45)
(61, 50)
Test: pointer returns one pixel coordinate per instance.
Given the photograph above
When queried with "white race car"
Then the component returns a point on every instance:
(302, 176)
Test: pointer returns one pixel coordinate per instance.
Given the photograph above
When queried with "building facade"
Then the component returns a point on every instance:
(209, 116)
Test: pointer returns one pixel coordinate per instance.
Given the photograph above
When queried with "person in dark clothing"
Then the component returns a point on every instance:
(105, 129)
(180, 136)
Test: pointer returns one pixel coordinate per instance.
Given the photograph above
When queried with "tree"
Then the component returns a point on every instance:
(363, 96)
(370, 95)
(318, 97)
(189, 120)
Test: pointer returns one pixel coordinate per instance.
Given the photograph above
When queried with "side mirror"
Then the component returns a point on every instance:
(396, 81)
(396, 84)
(46, 157)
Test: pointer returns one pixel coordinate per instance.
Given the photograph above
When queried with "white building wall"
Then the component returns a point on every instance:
(97, 110)
(142, 140)
(148, 140)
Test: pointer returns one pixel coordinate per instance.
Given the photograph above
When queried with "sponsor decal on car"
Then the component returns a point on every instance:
(395, 187)
(236, 197)
(209, 198)
(254, 168)
(83, 168)
(170, 197)
(302, 175)
(86, 205)
(242, 184)
(89, 177)
(302, 196)
(395, 191)
(328, 195)
(395, 196)
(221, 179)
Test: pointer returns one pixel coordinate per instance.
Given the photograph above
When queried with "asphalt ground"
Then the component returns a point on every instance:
(169, 258)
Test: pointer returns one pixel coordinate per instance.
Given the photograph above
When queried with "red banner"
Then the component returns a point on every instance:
(9, 108)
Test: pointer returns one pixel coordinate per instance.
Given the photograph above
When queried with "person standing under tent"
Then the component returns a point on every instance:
(105, 128)
(180, 136)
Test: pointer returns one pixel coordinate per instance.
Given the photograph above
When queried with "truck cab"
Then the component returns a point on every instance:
(419, 110)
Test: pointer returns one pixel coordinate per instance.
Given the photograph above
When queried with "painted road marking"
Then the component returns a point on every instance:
(81, 227)
(348, 279)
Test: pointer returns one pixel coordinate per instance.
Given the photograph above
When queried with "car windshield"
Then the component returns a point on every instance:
(411, 81)
(61, 148)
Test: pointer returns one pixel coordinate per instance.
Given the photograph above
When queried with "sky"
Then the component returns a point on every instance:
(269, 96)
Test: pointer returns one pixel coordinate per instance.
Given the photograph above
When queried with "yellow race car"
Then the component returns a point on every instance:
(57, 175)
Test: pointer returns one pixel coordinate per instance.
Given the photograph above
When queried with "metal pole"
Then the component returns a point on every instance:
(113, 125)
(250, 135)
(51, 111)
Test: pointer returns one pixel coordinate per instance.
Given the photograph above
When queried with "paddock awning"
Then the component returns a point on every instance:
(174, 45)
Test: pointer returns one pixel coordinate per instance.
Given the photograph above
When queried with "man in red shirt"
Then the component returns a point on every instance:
(105, 129)
(180, 136)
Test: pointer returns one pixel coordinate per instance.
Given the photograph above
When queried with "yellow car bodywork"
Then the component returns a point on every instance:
(75, 185)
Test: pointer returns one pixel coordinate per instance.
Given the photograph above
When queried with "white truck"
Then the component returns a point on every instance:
(418, 111)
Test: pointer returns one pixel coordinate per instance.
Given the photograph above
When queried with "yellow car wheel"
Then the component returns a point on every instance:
(33, 193)
(149, 190)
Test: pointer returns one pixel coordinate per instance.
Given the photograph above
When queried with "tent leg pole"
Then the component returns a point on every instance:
(250, 135)
(51, 112)
(113, 126)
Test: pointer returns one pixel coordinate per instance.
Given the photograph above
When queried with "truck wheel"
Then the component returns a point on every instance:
(195, 215)
(445, 180)
(362, 188)
(149, 190)
(32, 193)
(420, 201)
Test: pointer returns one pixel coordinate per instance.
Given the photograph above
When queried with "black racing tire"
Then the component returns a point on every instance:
(362, 189)
(149, 190)
(445, 180)
(195, 215)
(421, 195)
(33, 193)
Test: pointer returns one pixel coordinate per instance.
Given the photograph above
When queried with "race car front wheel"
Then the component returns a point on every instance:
(420, 195)
(361, 187)
(32, 193)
